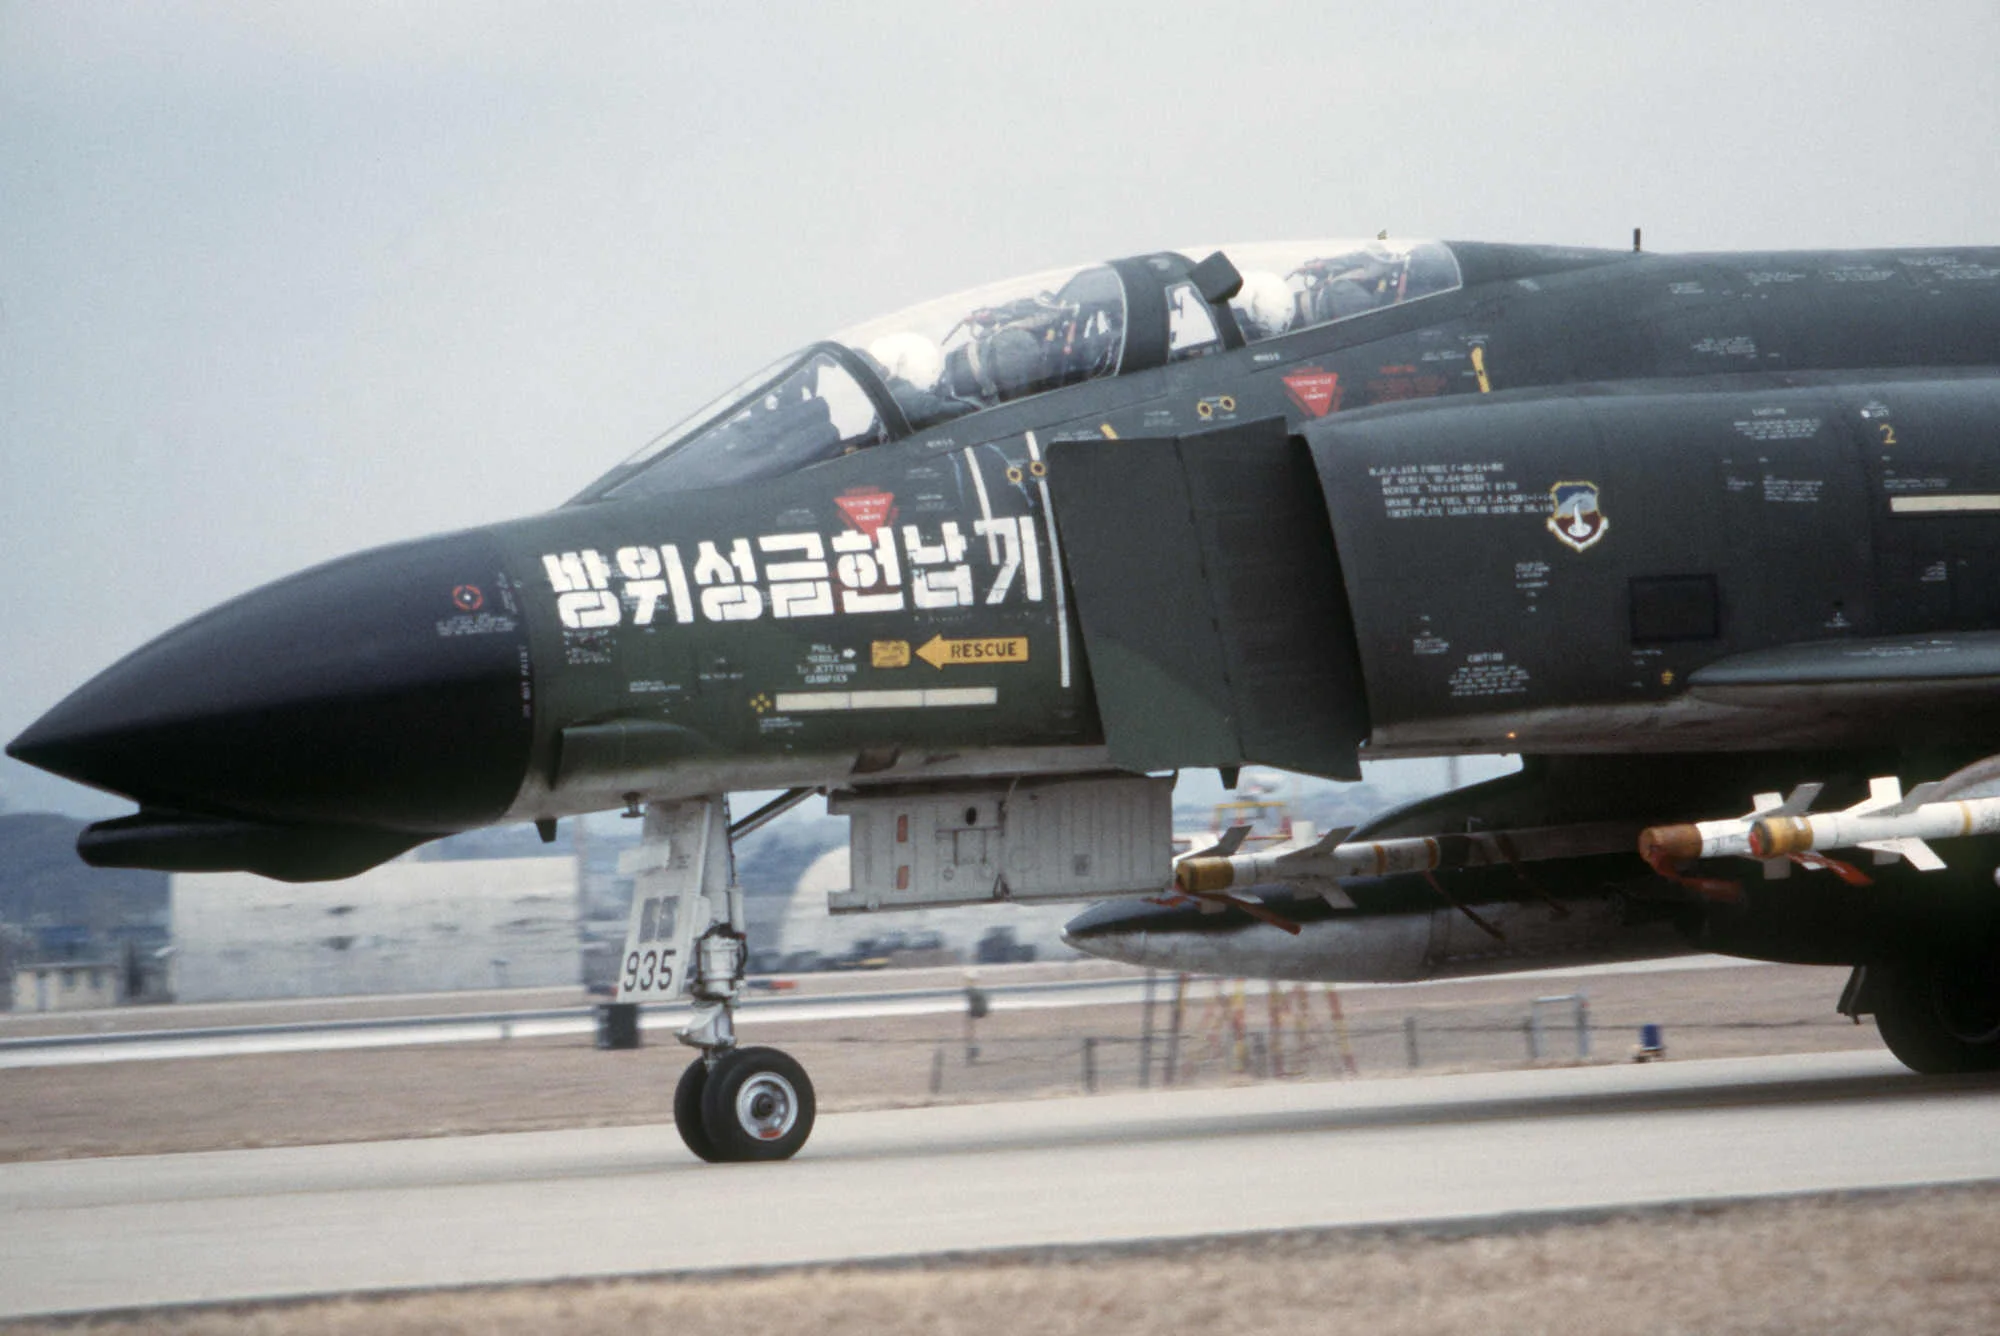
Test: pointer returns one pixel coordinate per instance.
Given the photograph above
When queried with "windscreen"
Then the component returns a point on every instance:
(938, 361)
(797, 412)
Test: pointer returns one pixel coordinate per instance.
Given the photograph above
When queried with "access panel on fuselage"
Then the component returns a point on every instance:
(1440, 518)
(1928, 448)
(1214, 616)
(1548, 570)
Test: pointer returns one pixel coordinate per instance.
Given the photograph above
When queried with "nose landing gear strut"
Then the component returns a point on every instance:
(686, 939)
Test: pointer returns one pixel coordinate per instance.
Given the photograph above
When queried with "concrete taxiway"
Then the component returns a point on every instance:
(139, 1231)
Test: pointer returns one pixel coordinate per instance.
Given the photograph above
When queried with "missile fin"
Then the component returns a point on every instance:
(1310, 843)
(1336, 897)
(1776, 869)
(1795, 803)
(1800, 800)
(1232, 840)
(1884, 791)
(1921, 855)
(1326, 844)
(1915, 798)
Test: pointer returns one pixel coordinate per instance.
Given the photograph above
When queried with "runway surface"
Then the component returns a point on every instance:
(138, 1231)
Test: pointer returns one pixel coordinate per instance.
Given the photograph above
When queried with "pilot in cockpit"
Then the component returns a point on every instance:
(1263, 306)
(910, 366)
(1006, 351)
(1337, 286)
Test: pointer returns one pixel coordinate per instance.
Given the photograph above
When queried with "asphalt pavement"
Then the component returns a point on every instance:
(137, 1231)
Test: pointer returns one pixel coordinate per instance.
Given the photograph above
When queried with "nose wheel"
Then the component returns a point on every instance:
(685, 939)
(687, 1111)
(745, 1104)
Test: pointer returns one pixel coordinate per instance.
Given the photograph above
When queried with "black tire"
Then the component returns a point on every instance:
(1939, 1016)
(687, 1111)
(758, 1105)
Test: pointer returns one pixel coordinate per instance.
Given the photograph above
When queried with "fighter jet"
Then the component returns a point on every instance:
(1705, 539)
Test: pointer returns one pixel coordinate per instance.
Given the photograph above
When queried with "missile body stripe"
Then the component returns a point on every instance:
(1775, 837)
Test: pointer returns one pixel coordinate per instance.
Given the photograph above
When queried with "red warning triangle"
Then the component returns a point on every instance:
(1314, 389)
(867, 511)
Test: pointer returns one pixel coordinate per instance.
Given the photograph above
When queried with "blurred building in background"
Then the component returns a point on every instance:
(411, 926)
(72, 985)
(501, 908)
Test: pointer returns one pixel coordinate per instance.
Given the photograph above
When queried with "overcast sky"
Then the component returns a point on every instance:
(278, 281)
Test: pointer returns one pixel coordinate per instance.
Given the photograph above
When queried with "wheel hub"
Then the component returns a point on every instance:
(767, 1107)
(1968, 1003)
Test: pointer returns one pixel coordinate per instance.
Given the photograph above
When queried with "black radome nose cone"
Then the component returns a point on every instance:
(386, 689)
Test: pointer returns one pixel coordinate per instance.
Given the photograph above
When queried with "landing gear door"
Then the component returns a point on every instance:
(1213, 612)
(683, 853)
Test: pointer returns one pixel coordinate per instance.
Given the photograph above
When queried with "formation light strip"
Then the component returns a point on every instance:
(929, 698)
(1962, 503)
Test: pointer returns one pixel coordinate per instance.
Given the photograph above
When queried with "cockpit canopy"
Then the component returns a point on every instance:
(1006, 341)
(901, 374)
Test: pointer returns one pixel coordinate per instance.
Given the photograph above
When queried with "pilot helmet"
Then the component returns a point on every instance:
(995, 367)
(1264, 305)
(908, 355)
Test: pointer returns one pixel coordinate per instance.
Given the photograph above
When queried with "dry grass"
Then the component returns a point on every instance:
(1908, 1263)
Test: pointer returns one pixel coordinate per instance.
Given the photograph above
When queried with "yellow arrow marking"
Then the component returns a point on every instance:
(937, 651)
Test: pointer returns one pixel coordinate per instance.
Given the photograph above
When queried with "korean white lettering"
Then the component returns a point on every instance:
(868, 570)
(726, 600)
(798, 588)
(645, 588)
(950, 587)
(582, 582)
(805, 574)
(1010, 559)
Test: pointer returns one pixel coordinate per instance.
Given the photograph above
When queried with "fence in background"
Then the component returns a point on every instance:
(1211, 1031)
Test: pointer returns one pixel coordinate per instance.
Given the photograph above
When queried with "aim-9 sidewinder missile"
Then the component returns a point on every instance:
(1727, 838)
(1329, 861)
(1888, 823)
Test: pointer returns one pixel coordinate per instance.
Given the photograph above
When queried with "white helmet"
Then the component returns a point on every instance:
(908, 356)
(1266, 300)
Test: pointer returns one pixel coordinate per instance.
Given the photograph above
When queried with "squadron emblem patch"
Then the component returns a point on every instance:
(1575, 516)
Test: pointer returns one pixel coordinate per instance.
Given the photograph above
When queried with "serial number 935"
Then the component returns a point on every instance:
(648, 971)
